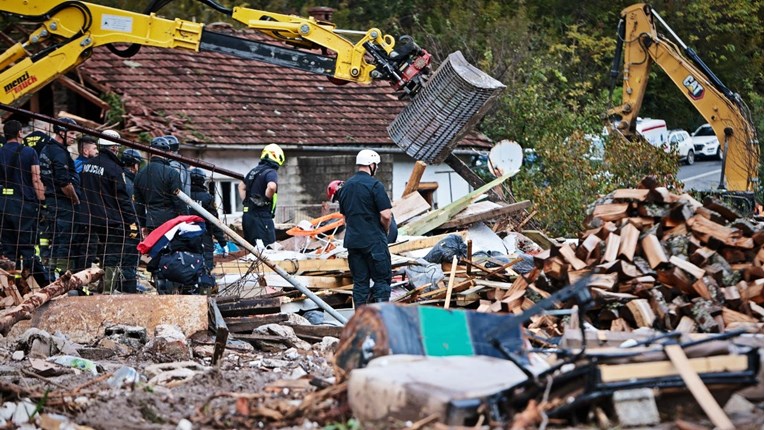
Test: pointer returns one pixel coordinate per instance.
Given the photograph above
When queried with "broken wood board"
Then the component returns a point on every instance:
(409, 207)
(661, 369)
(436, 218)
(413, 184)
(83, 319)
(483, 211)
(539, 238)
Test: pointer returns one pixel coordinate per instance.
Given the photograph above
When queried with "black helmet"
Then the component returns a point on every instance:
(175, 145)
(131, 157)
(63, 129)
(160, 143)
(198, 176)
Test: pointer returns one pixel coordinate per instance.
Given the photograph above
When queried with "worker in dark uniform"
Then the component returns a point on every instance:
(131, 161)
(154, 193)
(258, 193)
(183, 169)
(201, 195)
(367, 211)
(83, 252)
(61, 198)
(22, 194)
(112, 217)
(332, 194)
(37, 140)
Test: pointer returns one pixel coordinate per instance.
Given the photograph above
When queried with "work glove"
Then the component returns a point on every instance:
(133, 231)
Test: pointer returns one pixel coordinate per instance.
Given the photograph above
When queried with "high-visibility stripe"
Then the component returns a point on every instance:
(7, 191)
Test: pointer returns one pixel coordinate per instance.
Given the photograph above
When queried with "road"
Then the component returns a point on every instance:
(702, 175)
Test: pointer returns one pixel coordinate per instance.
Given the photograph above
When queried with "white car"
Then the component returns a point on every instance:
(705, 142)
(681, 143)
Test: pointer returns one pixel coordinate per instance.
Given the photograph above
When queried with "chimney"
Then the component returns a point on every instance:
(321, 13)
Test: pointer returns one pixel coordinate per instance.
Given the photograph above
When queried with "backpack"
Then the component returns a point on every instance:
(185, 268)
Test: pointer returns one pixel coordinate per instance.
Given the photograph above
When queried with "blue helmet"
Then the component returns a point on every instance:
(175, 145)
(198, 176)
(61, 128)
(160, 143)
(131, 156)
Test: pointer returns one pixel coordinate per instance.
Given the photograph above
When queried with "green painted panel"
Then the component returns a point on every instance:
(445, 332)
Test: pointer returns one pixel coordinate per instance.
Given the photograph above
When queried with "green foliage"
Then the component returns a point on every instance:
(351, 424)
(116, 108)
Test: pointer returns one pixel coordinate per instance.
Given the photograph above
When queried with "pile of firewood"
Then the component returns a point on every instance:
(657, 259)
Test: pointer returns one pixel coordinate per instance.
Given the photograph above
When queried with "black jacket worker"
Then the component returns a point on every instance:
(258, 193)
(201, 195)
(154, 190)
(367, 211)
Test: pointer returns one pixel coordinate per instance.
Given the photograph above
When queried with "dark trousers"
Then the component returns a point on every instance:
(63, 216)
(258, 224)
(120, 253)
(18, 235)
(372, 262)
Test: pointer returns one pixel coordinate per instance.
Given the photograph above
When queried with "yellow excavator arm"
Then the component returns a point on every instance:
(721, 107)
(69, 30)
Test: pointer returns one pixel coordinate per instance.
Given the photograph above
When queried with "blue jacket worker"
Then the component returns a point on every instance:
(22, 194)
(112, 218)
(258, 193)
(154, 190)
(367, 211)
(61, 194)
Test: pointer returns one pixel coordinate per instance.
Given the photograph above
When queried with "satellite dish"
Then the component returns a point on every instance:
(505, 157)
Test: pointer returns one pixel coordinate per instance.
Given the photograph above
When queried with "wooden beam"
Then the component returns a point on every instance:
(450, 285)
(697, 388)
(438, 217)
(661, 369)
(409, 207)
(472, 178)
(414, 178)
(83, 92)
(459, 221)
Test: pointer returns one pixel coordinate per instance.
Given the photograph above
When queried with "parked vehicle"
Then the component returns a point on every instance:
(653, 130)
(681, 143)
(705, 142)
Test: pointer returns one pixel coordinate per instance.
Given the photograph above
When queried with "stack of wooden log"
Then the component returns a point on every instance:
(655, 259)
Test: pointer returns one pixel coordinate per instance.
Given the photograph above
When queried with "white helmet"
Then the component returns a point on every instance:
(107, 142)
(365, 157)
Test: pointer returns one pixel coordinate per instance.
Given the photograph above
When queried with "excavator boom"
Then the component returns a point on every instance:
(722, 108)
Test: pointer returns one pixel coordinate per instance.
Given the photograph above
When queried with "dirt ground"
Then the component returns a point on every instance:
(290, 388)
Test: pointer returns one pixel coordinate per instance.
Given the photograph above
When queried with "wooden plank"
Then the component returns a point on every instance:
(426, 242)
(414, 178)
(316, 282)
(316, 332)
(248, 324)
(409, 207)
(569, 255)
(696, 386)
(220, 328)
(251, 307)
(539, 238)
(450, 285)
(436, 218)
(689, 267)
(631, 194)
(611, 211)
(629, 239)
(653, 250)
(612, 247)
(494, 212)
(662, 369)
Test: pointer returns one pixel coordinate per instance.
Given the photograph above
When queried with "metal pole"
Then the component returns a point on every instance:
(240, 240)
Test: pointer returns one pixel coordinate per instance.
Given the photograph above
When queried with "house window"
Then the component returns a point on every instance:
(227, 196)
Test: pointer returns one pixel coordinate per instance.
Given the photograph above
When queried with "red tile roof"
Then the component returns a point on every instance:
(218, 99)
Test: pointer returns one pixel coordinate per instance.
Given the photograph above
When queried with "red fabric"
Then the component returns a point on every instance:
(146, 245)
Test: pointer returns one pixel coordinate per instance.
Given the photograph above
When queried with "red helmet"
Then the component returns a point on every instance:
(333, 188)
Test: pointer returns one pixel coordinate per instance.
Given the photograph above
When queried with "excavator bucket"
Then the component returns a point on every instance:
(452, 102)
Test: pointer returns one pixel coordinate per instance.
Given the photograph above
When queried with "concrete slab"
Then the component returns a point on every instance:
(83, 319)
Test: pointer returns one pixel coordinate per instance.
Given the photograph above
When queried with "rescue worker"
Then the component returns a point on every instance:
(61, 198)
(87, 148)
(112, 218)
(22, 194)
(182, 168)
(154, 193)
(201, 195)
(37, 140)
(367, 211)
(258, 193)
(334, 188)
(131, 161)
